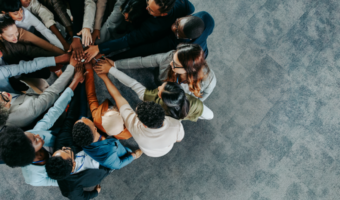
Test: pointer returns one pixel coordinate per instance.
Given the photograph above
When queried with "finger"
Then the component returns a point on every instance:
(86, 73)
(70, 49)
(79, 33)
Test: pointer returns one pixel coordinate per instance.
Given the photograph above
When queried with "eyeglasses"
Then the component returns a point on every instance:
(174, 64)
(177, 29)
(4, 97)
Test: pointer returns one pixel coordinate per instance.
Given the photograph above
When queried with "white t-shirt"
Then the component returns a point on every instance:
(84, 161)
(153, 142)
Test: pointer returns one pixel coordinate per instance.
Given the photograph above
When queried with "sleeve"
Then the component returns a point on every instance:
(141, 62)
(101, 5)
(60, 8)
(43, 30)
(44, 182)
(25, 67)
(180, 135)
(28, 37)
(91, 93)
(53, 113)
(129, 117)
(211, 81)
(117, 163)
(89, 14)
(129, 82)
(44, 14)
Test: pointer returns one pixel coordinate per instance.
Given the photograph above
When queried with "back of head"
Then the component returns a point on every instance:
(150, 114)
(175, 99)
(16, 148)
(4, 111)
(57, 168)
(10, 5)
(82, 134)
(135, 9)
(194, 27)
(5, 22)
(165, 5)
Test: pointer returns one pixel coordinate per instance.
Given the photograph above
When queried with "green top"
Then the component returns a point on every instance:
(195, 110)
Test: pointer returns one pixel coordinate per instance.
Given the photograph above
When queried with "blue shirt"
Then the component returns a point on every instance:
(36, 174)
(106, 152)
(24, 67)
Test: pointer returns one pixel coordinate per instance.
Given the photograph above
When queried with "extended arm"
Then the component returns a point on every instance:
(89, 14)
(211, 81)
(114, 92)
(101, 5)
(44, 14)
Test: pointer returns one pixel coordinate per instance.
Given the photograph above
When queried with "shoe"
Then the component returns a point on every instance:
(138, 153)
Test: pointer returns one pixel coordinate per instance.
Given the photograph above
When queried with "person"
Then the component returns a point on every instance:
(169, 95)
(106, 150)
(103, 115)
(193, 29)
(185, 65)
(46, 16)
(100, 11)
(26, 67)
(25, 108)
(31, 150)
(25, 19)
(154, 132)
(74, 172)
(165, 13)
(126, 15)
(82, 25)
(11, 33)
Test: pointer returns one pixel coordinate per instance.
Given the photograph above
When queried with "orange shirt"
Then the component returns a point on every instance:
(99, 110)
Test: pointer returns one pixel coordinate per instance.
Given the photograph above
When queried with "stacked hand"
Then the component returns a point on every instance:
(77, 49)
(95, 35)
(103, 66)
(80, 73)
(86, 36)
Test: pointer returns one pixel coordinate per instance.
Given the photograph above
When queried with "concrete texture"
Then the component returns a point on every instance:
(275, 134)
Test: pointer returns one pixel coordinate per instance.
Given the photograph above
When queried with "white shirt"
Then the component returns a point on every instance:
(153, 142)
(30, 20)
(84, 161)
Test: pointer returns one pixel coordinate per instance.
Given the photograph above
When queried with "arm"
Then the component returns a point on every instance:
(25, 67)
(101, 5)
(44, 14)
(90, 91)
(60, 8)
(89, 13)
(116, 162)
(43, 182)
(211, 83)
(142, 62)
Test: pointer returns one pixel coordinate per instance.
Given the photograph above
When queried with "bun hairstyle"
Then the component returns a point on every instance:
(191, 57)
(136, 10)
(175, 99)
(5, 22)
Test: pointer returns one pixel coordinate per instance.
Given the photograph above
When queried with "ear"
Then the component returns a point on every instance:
(164, 14)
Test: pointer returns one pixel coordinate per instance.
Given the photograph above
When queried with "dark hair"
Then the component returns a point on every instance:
(5, 22)
(150, 114)
(10, 5)
(194, 27)
(57, 168)
(82, 134)
(4, 113)
(16, 148)
(135, 9)
(165, 5)
(192, 59)
(175, 99)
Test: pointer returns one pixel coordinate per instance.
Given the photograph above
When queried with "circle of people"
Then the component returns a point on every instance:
(45, 129)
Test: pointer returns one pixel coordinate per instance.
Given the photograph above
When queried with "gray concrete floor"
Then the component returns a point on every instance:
(275, 134)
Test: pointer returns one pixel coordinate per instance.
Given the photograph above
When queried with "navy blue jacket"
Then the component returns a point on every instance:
(151, 29)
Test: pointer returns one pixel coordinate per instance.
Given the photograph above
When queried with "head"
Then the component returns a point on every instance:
(159, 8)
(8, 30)
(150, 114)
(61, 164)
(25, 3)
(17, 149)
(189, 27)
(189, 60)
(133, 10)
(12, 8)
(175, 99)
(84, 132)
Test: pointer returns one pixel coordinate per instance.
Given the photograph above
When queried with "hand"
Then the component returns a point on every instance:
(102, 67)
(73, 62)
(98, 188)
(102, 76)
(91, 52)
(80, 73)
(77, 49)
(95, 35)
(98, 57)
(62, 59)
(86, 36)
(66, 46)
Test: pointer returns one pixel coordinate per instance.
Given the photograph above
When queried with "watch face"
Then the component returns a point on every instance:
(82, 60)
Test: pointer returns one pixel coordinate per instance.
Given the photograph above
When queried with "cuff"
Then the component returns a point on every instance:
(77, 37)
(49, 23)
(113, 70)
(68, 91)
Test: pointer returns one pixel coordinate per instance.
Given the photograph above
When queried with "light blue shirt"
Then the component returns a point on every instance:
(24, 67)
(36, 174)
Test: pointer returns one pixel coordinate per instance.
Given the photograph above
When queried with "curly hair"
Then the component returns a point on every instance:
(194, 27)
(4, 113)
(150, 114)
(136, 10)
(165, 5)
(82, 134)
(57, 168)
(16, 148)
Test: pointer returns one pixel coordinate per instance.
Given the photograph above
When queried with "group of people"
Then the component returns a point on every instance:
(46, 129)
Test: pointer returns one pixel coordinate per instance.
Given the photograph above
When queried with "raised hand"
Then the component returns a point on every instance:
(86, 36)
